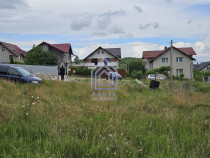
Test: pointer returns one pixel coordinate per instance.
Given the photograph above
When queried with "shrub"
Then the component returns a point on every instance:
(136, 74)
(83, 71)
(11, 60)
(181, 76)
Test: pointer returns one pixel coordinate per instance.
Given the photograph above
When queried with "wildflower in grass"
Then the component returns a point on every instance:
(23, 106)
(107, 148)
(32, 97)
(26, 113)
(37, 97)
(206, 122)
(33, 103)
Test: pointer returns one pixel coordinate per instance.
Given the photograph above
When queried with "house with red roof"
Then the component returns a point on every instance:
(8, 51)
(63, 52)
(181, 60)
(112, 55)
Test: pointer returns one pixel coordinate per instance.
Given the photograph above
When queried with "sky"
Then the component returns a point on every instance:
(132, 25)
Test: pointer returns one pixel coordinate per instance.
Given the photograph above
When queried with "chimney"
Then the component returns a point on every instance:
(33, 45)
(165, 48)
(197, 64)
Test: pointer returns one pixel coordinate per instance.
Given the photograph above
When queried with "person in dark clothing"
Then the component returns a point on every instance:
(62, 72)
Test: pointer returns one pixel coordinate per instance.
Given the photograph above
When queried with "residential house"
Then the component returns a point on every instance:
(63, 52)
(181, 60)
(8, 51)
(112, 55)
(204, 66)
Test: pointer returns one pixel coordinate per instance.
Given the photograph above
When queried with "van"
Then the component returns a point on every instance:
(17, 75)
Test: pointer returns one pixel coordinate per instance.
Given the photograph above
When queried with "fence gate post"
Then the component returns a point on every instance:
(203, 79)
(208, 79)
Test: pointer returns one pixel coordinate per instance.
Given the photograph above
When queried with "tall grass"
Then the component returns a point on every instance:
(57, 119)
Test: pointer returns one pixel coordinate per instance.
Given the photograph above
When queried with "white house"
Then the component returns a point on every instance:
(182, 60)
(112, 55)
(8, 51)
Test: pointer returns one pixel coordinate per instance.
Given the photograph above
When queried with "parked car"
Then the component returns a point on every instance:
(151, 77)
(158, 77)
(17, 75)
(114, 74)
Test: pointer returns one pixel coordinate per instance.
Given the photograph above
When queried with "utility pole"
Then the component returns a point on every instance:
(171, 59)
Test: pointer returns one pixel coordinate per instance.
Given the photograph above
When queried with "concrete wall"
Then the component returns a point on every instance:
(38, 68)
(186, 65)
(4, 55)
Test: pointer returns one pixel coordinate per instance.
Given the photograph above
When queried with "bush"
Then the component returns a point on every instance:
(182, 76)
(127, 74)
(162, 70)
(11, 60)
(136, 74)
(83, 71)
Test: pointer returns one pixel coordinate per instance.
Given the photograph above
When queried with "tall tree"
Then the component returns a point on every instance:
(37, 56)
(76, 60)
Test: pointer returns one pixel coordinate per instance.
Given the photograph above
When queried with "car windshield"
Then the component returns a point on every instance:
(23, 72)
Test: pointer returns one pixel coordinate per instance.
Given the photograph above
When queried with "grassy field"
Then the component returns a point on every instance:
(57, 119)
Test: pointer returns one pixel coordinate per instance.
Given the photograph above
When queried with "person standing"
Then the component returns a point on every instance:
(62, 72)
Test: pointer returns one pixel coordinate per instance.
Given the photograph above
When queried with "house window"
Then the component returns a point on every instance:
(102, 52)
(94, 60)
(19, 57)
(164, 60)
(179, 72)
(179, 59)
(98, 52)
(3, 48)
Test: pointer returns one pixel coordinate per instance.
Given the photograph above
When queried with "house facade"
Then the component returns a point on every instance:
(8, 51)
(112, 55)
(63, 52)
(181, 60)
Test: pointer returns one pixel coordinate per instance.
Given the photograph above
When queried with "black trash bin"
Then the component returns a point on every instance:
(154, 84)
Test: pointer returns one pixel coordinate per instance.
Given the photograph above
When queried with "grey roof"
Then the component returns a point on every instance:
(203, 65)
(114, 51)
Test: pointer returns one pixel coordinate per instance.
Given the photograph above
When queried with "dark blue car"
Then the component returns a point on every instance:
(17, 75)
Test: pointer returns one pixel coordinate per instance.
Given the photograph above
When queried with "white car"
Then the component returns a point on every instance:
(151, 77)
(158, 77)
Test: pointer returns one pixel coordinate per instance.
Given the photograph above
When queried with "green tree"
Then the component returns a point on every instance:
(77, 60)
(136, 65)
(37, 56)
(11, 60)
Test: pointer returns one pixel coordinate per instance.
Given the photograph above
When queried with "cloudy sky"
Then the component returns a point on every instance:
(132, 25)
